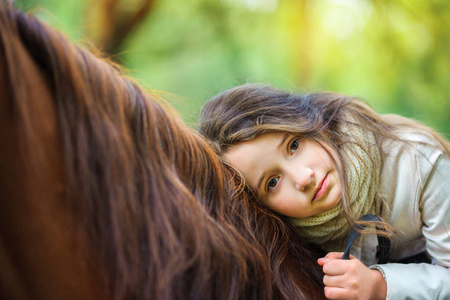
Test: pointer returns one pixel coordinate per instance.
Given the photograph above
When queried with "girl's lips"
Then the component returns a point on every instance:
(322, 188)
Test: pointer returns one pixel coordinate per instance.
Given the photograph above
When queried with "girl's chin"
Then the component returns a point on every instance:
(332, 200)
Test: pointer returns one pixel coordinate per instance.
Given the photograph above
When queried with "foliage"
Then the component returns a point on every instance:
(393, 54)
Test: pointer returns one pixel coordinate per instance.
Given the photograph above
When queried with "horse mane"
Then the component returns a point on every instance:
(160, 215)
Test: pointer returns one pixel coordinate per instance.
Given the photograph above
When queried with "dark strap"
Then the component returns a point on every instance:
(384, 243)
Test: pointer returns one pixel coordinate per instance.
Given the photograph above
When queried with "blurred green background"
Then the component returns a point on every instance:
(393, 54)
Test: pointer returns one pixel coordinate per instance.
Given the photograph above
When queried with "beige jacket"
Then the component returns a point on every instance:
(415, 182)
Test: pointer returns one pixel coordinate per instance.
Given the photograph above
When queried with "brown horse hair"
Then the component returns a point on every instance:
(163, 216)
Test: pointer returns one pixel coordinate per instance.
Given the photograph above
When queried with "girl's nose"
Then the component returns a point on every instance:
(302, 178)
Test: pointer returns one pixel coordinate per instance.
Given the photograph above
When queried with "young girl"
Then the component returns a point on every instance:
(324, 160)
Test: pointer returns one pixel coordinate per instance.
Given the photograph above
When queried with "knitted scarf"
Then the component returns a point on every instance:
(330, 228)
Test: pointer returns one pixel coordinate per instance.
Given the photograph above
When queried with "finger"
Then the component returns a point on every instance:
(334, 255)
(334, 281)
(322, 261)
(328, 257)
(336, 293)
(338, 255)
(335, 267)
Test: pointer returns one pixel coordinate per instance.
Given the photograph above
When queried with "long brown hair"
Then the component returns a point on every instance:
(163, 217)
(244, 112)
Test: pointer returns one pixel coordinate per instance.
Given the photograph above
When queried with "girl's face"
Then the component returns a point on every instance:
(294, 177)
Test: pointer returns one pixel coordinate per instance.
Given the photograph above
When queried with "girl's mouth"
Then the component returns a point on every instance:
(321, 188)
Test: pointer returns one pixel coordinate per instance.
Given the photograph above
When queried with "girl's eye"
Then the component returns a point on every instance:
(294, 146)
(272, 183)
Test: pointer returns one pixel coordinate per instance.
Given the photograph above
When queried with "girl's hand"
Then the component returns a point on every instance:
(351, 279)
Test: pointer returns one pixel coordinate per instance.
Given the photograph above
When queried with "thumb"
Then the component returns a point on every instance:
(328, 257)
(334, 255)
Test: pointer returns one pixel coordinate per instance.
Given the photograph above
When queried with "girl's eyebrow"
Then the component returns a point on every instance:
(261, 178)
(285, 137)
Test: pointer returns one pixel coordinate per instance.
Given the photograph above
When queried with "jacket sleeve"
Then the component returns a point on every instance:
(427, 281)
(415, 281)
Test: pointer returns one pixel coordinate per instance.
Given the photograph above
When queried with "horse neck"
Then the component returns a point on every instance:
(42, 254)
